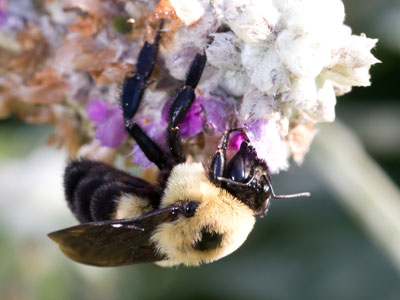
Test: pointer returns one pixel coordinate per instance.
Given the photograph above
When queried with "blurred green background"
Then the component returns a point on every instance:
(341, 243)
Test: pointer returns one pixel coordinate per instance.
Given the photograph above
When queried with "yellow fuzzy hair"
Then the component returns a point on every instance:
(218, 211)
(131, 207)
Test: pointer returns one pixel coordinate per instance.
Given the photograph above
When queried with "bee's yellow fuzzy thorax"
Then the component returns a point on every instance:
(218, 211)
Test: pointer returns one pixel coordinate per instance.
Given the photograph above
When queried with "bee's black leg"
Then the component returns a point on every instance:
(182, 104)
(132, 94)
(152, 151)
(218, 161)
(134, 86)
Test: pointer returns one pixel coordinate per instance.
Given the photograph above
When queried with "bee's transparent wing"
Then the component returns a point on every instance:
(114, 242)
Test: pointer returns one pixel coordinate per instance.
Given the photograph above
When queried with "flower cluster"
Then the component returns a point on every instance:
(273, 66)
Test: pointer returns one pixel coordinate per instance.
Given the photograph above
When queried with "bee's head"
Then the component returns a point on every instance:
(246, 177)
(212, 223)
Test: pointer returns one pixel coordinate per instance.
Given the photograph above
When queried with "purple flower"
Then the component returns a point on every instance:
(193, 122)
(256, 130)
(236, 140)
(110, 124)
(96, 110)
(216, 112)
(213, 111)
(190, 126)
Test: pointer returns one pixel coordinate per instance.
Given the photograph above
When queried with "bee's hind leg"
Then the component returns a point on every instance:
(132, 94)
(135, 84)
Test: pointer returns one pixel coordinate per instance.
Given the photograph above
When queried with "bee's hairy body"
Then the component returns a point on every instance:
(219, 216)
(191, 216)
(220, 225)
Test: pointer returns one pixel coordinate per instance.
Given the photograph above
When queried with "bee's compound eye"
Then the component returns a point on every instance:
(190, 209)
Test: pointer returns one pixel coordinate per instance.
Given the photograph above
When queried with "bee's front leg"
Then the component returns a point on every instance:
(182, 104)
(219, 159)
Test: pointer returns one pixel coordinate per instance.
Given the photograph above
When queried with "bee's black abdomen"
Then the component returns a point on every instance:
(93, 189)
(82, 196)
(80, 181)
(74, 172)
(105, 199)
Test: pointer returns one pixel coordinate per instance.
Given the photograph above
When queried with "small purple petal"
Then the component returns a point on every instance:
(236, 140)
(140, 158)
(97, 110)
(111, 130)
(216, 113)
(193, 122)
(255, 130)
(157, 132)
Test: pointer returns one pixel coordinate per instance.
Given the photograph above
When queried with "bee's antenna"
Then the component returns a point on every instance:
(274, 196)
(306, 194)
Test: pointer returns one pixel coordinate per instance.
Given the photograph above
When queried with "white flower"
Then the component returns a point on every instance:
(234, 83)
(303, 55)
(257, 105)
(273, 149)
(351, 61)
(189, 11)
(225, 50)
(284, 61)
(265, 69)
(253, 20)
(277, 64)
(303, 93)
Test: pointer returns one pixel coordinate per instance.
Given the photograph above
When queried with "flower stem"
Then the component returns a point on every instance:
(360, 184)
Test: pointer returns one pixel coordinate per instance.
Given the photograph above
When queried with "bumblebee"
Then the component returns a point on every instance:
(193, 214)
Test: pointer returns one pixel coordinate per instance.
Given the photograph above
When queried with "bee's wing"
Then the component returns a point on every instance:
(114, 242)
